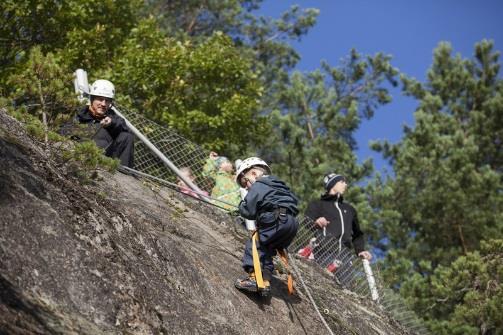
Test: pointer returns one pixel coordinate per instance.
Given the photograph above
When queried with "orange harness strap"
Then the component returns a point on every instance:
(284, 258)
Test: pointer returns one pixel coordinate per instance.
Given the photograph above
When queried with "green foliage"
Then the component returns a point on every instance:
(90, 158)
(445, 197)
(199, 19)
(264, 40)
(465, 297)
(87, 31)
(203, 85)
(207, 91)
(33, 125)
(97, 31)
(87, 155)
(42, 87)
(319, 113)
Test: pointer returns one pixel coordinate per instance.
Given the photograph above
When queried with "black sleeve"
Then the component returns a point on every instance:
(117, 126)
(357, 235)
(249, 206)
(312, 213)
(313, 210)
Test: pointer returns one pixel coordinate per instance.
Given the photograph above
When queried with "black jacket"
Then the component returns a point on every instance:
(117, 126)
(264, 196)
(328, 207)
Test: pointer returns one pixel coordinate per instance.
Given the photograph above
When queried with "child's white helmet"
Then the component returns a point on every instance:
(248, 164)
(102, 88)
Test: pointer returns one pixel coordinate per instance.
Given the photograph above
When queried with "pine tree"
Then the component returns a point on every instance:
(445, 196)
(317, 116)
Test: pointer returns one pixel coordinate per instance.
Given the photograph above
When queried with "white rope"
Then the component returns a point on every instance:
(297, 274)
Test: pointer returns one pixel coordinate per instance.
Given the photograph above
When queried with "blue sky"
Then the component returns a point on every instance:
(408, 30)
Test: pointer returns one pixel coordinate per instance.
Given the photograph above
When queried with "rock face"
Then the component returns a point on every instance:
(121, 256)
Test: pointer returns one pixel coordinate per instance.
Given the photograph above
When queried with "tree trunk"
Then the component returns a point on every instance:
(44, 114)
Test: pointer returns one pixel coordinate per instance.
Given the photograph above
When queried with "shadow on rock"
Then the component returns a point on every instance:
(18, 308)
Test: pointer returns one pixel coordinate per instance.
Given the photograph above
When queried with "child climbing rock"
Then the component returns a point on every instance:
(273, 206)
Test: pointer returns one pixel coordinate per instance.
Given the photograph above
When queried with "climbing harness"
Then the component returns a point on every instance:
(256, 262)
(284, 258)
(297, 273)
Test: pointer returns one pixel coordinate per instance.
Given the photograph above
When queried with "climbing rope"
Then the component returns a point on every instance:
(297, 273)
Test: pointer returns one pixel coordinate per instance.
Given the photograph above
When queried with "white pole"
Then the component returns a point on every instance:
(158, 153)
(370, 279)
(82, 87)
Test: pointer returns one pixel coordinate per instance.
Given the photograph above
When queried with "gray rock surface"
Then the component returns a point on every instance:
(122, 256)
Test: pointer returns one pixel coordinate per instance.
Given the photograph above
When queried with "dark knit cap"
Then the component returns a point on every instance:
(331, 179)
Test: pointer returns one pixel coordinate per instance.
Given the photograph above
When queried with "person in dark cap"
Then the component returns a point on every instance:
(336, 221)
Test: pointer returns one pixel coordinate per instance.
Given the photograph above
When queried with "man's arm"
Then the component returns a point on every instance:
(68, 128)
(116, 125)
(313, 212)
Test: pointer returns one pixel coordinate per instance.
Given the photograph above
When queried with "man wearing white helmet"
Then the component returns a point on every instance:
(273, 206)
(111, 133)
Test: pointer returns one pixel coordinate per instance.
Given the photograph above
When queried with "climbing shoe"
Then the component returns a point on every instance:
(306, 252)
(249, 284)
(266, 291)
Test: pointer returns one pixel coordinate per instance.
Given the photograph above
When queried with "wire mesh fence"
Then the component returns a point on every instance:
(395, 305)
(192, 160)
(338, 261)
(182, 152)
(311, 244)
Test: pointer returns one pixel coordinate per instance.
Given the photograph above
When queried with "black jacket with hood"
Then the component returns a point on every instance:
(343, 220)
(117, 125)
(266, 195)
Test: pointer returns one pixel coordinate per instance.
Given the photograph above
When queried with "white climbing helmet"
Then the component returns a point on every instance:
(247, 164)
(102, 88)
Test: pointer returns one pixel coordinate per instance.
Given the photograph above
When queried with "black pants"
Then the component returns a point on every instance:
(272, 236)
(121, 147)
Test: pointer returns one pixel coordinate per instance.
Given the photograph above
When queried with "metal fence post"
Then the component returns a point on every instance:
(370, 279)
(159, 154)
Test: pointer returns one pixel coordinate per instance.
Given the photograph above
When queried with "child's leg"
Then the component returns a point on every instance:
(282, 235)
(274, 236)
(278, 236)
(247, 257)
(265, 256)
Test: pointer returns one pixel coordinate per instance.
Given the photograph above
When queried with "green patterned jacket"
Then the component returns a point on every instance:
(225, 188)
